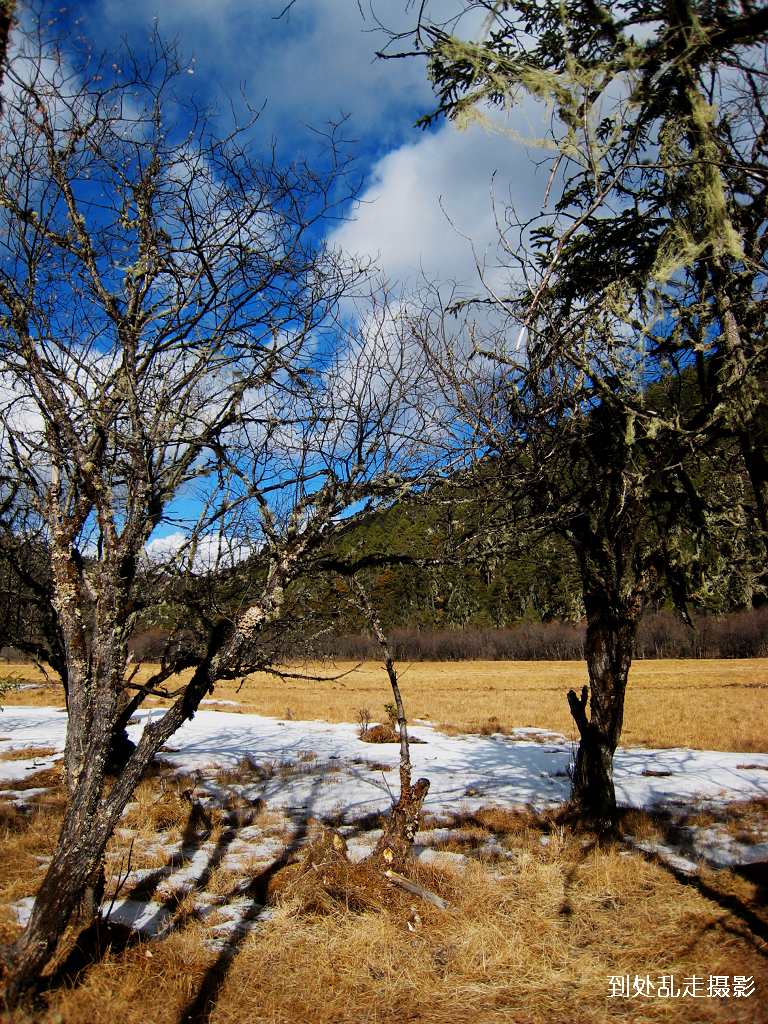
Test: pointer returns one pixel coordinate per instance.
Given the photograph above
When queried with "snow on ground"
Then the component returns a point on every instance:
(24, 727)
(721, 849)
(324, 770)
(466, 772)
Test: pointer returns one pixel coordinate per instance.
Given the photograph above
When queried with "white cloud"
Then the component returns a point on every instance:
(310, 65)
(208, 552)
(317, 61)
(431, 203)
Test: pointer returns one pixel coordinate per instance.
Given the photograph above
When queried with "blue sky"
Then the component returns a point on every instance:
(426, 198)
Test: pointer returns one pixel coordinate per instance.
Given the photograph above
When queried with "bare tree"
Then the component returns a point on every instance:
(173, 352)
(7, 10)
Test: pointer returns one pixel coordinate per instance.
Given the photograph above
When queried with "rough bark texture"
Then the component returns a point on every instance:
(394, 847)
(72, 881)
(611, 629)
(121, 745)
(78, 856)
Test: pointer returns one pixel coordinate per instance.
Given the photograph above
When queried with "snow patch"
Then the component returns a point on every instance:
(465, 772)
(526, 768)
(666, 854)
(148, 918)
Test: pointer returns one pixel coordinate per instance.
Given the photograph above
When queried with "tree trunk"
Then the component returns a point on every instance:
(81, 845)
(88, 824)
(611, 630)
(121, 745)
(91, 813)
(74, 880)
(394, 847)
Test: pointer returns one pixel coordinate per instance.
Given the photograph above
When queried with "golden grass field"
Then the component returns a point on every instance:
(706, 704)
(531, 940)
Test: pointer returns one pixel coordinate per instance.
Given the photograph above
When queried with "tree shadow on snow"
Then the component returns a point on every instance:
(105, 934)
(202, 1005)
(133, 926)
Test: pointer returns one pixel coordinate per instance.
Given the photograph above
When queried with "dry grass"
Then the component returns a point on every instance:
(533, 942)
(45, 778)
(379, 734)
(27, 838)
(706, 704)
(536, 944)
(26, 753)
(151, 811)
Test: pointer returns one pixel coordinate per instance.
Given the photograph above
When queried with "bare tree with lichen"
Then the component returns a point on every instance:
(629, 343)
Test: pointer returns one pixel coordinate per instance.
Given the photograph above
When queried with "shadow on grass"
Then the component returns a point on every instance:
(104, 935)
(202, 1005)
(715, 883)
(756, 923)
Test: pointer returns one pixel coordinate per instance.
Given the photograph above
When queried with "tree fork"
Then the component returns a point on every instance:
(593, 792)
(74, 877)
(611, 628)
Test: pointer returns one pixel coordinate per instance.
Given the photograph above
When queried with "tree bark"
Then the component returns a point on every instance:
(394, 846)
(611, 630)
(121, 745)
(73, 877)
(76, 862)
(93, 814)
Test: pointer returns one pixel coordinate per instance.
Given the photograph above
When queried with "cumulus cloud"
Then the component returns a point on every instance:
(431, 206)
(317, 61)
(205, 553)
(309, 66)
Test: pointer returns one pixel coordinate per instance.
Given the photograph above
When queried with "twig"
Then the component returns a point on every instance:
(121, 880)
(416, 890)
(311, 679)
(386, 783)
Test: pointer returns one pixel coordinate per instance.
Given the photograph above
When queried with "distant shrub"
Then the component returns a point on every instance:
(662, 634)
(733, 635)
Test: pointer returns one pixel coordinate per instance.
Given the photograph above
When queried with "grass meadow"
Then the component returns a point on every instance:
(532, 937)
(705, 704)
